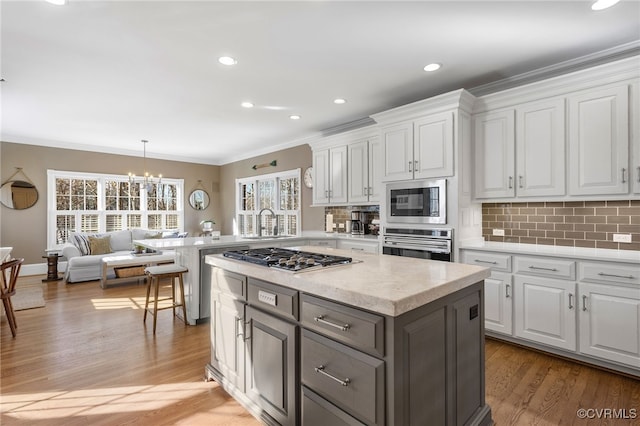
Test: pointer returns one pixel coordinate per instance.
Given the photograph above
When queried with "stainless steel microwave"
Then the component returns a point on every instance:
(418, 201)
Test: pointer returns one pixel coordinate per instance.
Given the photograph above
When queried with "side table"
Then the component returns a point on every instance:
(52, 267)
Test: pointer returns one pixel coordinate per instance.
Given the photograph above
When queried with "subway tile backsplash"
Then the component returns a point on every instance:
(568, 223)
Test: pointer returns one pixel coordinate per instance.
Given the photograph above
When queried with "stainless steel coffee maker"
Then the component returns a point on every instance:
(358, 225)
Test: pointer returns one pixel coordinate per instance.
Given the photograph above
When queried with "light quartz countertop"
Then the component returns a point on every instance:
(389, 285)
(233, 240)
(629, 256)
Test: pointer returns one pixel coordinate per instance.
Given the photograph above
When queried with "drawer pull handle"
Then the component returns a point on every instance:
(507, 290)
(629, 277)
(320, 369)
(584, 303)
(543, 269)
(321, 320)
(492, 262)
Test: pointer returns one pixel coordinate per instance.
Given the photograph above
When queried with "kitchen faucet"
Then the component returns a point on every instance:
(260, 227)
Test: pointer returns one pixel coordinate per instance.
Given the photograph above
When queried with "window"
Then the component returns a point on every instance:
(279, 192)
(90, 202)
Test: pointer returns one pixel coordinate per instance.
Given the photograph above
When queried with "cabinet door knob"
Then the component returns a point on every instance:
(510, 182)
(520, 181)
(624, 175)
(410, 165)
(638, 168)
(508, 290)
(584, 303)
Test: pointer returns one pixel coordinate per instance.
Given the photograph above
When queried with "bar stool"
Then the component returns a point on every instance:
(156, 275)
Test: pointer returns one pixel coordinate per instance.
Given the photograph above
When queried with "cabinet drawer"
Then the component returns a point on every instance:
(359, 329)
(273, 298)
(348, 378)
(229, 282)
(495, 261)
(545, 267)
(323, 243)
(317, 411)
(618, 273)
(358, 246)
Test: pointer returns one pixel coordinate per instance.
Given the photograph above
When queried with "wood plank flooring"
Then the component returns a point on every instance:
(87, 359)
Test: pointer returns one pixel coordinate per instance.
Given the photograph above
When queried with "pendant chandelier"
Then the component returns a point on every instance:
(147, 179)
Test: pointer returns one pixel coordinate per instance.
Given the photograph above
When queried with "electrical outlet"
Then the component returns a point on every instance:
(622, 238)
(498, 232)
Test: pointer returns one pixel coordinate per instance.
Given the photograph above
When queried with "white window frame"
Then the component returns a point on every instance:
(288, 174)
(101, 211)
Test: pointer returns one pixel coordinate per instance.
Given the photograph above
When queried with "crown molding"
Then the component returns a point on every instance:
(617, 72)
(460, 98)
(566, 67)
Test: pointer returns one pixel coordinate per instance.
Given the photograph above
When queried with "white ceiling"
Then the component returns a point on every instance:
(102, 75)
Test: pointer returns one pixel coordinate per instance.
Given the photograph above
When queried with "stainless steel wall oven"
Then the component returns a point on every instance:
(423, 243)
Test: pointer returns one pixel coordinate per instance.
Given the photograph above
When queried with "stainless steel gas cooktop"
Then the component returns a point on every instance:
(287, 259)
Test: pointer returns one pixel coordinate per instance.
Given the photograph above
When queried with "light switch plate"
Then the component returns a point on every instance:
(498, 232)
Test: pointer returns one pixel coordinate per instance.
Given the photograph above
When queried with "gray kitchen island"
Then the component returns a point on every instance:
(383, 340)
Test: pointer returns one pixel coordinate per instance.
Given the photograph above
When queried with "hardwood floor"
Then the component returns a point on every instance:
(86, 358)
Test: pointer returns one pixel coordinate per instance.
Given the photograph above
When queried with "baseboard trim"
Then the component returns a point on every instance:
(40, 269)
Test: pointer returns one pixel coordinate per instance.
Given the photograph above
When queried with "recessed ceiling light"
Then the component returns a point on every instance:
(57, 2)
(603, 4)
(227, 60)
(339, 101)
(247, 104)
(432, 67)
(294, 117)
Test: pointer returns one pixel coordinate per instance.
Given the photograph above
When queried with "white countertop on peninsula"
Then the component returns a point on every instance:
(630, 256)
(389, 285)
(234, 240)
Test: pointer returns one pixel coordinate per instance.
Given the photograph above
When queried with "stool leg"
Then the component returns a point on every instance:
(155, 304)
(182, 301)
(173, 295)
(146, 303)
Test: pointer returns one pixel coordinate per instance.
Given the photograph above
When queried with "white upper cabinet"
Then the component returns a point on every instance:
(364, 171)
(599, 142)
(521, 158)
(330, 175)
(540, 148)
(494, 154)
(397, 141)
(433, 146)
(634, 113)
(419, 149)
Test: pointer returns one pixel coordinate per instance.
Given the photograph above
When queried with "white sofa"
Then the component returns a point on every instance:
(88, 267)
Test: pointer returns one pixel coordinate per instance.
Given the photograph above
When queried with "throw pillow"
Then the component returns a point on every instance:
(100, 245)
(153, 236)
(81, 241)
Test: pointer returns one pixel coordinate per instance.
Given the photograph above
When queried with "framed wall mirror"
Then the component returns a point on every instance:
(199, 199)
(18, 194)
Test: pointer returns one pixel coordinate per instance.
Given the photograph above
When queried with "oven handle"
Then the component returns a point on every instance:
(420, 247)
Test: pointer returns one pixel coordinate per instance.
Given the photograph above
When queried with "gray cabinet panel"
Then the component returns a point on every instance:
(274, 298)
(317, 411)
(360, 329)
(229, 282)
(325, 363)
(468, 317)
(272, 380)
(425, 401)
